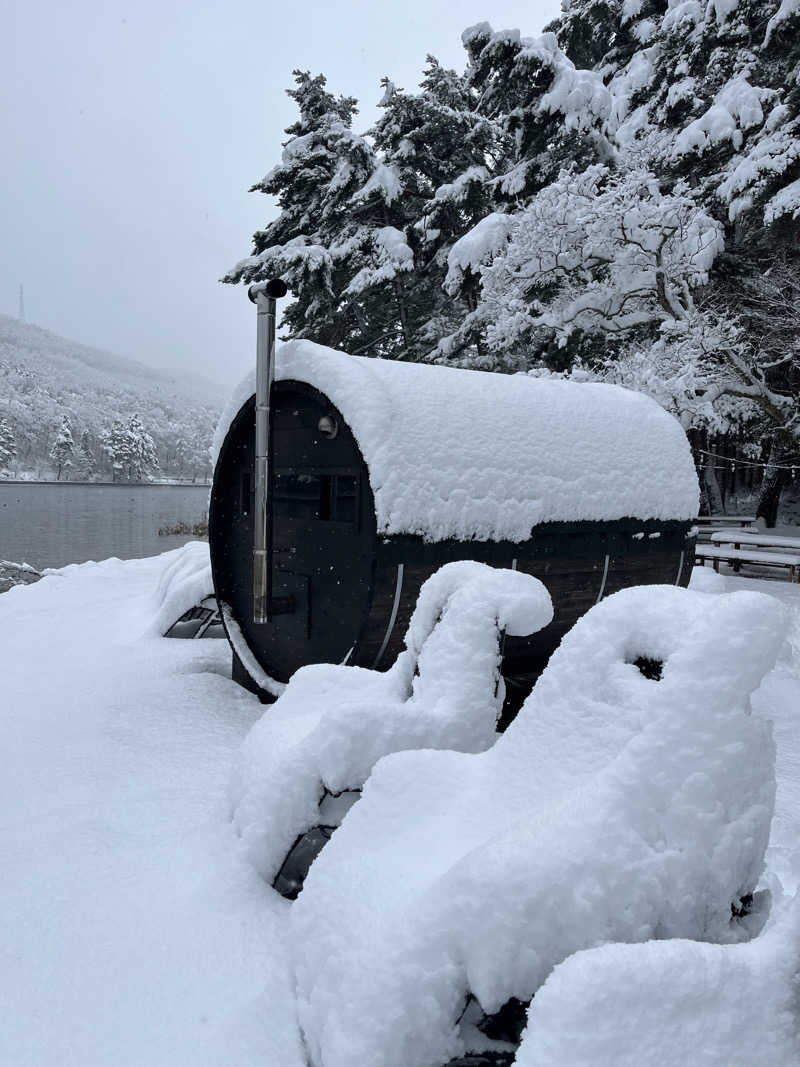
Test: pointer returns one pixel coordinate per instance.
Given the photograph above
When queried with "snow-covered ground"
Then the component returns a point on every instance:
(134, 931)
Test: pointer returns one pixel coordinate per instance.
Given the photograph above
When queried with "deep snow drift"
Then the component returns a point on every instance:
(134, 932)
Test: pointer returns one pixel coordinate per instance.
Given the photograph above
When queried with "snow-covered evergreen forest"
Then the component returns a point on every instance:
(68, 411)
(616, 199)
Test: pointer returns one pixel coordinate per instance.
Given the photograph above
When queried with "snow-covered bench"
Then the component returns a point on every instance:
(724, 521)
(716, 554)
(323, 736)
(707, 525)
(619, 806)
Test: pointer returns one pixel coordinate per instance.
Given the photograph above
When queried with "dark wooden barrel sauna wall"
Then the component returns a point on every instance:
(346, 574)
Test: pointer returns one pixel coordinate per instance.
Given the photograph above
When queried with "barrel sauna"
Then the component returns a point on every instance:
(382, 471)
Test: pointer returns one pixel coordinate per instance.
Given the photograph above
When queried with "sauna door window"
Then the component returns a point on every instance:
(307, 496)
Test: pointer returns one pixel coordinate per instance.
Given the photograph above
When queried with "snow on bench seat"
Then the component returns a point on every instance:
(759, 539)
(725, 520)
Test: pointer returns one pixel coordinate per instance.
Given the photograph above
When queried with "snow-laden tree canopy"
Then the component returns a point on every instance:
(599, 251)
(617, 196)
(131, 450)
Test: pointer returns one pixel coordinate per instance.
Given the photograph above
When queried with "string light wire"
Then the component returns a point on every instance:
(732, 462)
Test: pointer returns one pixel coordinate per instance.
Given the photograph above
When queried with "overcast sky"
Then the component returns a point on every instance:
(130, 133)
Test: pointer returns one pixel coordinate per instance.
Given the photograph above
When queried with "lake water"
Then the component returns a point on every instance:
(50, 524)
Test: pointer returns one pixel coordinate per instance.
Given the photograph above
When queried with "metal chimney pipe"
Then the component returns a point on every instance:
(264, 295)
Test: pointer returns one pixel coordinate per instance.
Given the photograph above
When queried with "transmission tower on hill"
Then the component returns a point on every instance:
(21, 304)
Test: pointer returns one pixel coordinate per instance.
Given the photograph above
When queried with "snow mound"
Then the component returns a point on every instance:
(473, 455)
(184, 581)
(706, 580)
(333, 723)
(672, 1003)
(617, 807)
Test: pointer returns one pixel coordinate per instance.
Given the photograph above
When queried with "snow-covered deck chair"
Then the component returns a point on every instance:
(303, 762)
(184, 602)
(616, 807)
(674, 1003)
(201, 620)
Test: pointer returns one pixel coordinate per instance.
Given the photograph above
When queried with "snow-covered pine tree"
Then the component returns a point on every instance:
(8, 444)
(142, 459)
(63, 448)
(553, 114)
(181, 458)
(323, 164)
(116, 445)
(85, 463)
(547, 115)
(445, 151)
(374, 254)
(131, 450)
(425, 142)
(351, 239)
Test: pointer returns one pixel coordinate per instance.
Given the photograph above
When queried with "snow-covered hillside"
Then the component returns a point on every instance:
(44, 377)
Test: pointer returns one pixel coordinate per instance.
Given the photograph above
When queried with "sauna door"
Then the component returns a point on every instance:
(321, 563)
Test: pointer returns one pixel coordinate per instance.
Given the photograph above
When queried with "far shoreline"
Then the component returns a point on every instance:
(105, 485)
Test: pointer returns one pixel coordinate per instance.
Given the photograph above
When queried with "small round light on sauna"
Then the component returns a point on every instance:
(328, 426)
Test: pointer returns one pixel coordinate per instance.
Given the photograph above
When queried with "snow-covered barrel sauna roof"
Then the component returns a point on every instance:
(474, 455)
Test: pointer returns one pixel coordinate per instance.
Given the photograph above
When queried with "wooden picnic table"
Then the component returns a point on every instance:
(758, 547)
(725, 520)
(757, 557)
(759, 538)
(706, 525)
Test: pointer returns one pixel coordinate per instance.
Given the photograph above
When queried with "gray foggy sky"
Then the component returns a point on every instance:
(130, 132)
